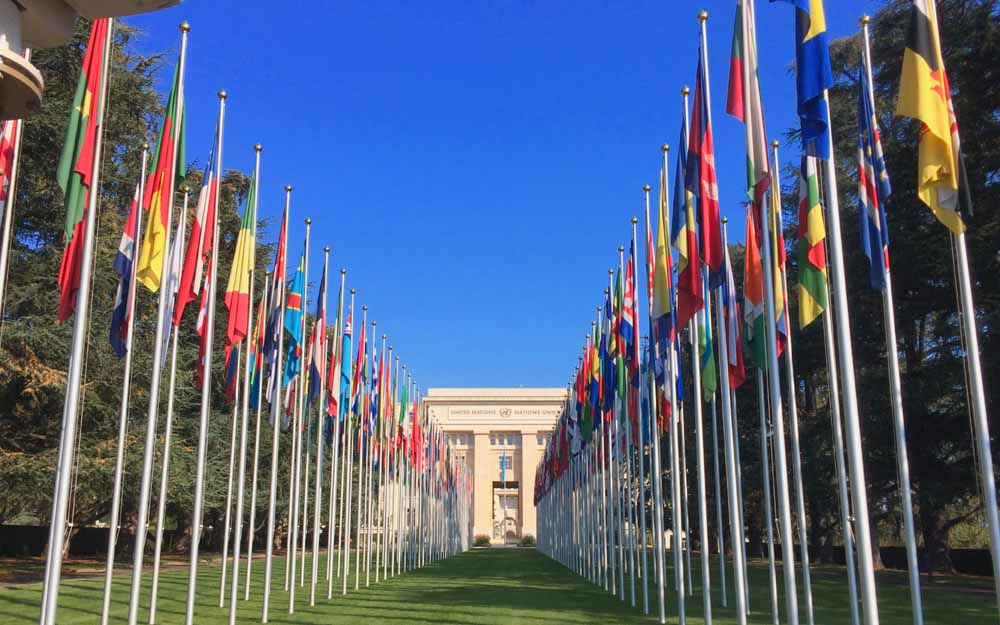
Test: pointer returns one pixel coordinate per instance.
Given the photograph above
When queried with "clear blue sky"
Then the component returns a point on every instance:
(473, 165)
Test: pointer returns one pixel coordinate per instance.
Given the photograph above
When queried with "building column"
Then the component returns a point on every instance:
(482, 486)
(526, 478)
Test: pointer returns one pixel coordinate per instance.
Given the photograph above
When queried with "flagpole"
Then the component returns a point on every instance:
(896, 395)
(71, 406)
(380, 510)
(642, 451)
(259, 364)
(371, 466)
(793, 416)
(657, 479)
(344, 414)
(728, 436)
(845, 352)
(142, 513)
(345, 530)
(11, 199)
(739, 487)
(276, 402)
(359, 373)
(237, 395)
(116, 493)
(335, 452)
(765, 464)
(318, 486)
(294, 489)
(161, 502)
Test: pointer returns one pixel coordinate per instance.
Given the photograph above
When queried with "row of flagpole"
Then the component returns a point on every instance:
(415, 501)
(590, 483)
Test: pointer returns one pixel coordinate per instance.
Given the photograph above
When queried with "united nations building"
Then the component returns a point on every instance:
(501, 434)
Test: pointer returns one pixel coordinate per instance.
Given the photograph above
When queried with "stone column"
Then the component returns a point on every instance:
(482, 486)
(530, 456)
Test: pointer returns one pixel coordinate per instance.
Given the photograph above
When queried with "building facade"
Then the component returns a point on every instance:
(501, 434)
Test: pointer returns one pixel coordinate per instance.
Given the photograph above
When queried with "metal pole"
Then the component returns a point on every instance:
(765, 465)
(644, 571)
(320, 410)
(301, 391)
(256, 441)
(229, 480)
(699, 429)
(335, 452)
(275, 425)
(116, 492)
(206, 387)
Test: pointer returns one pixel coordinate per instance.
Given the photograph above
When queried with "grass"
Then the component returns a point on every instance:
(490, 587)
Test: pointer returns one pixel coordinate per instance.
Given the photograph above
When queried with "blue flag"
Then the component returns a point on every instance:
(293, 323)
(813, 75)
(873, 185)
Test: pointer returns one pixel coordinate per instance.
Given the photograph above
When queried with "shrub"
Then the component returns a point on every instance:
(481, 540)
(528, 541)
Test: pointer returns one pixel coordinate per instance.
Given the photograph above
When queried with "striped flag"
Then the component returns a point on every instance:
(873, 184)
(293, 322)
(811, 246)
(123, 267)
(753, 291)
(318, 337)
(237, 296)
(684, 237)
(77, 162)
(813, 76)
(256, 346)
(200, 241)
(734, 333)
(706, 351)
(201, 326)
(744, 101)
(661, 297)
(700, 179)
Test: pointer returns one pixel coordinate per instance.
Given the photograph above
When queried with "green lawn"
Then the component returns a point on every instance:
(492, 586)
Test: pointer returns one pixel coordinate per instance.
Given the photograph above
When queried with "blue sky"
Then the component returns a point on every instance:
(473, 165)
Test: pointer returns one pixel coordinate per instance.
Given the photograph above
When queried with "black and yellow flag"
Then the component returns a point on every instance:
(924, 95)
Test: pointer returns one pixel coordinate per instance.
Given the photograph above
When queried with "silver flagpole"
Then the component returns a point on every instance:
(71, 406)
(630, 519)
(399, 490)
(361, 361)
(8, 209)
(345, 468)
(896, 394)
(252, 525)
(229, 480)
(793, 417)
(206, 387)
(320, 411)
(161, 502)
(765, 464)
(303, 475)
(644, 571)
(699, 434)
(739, 491)
(362, 450)
(142, 513)
(381, 460)
(728, 436)
(276, 402)
(245, 408)
(657, 478)
(383, 484)
(675, 486)
(297, 446)
(685, 504)
(116, 492)
(838, 449)
(719, 519)
(331, 523)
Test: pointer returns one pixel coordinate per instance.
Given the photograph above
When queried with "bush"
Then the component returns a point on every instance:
(481, 540)
(528, 541)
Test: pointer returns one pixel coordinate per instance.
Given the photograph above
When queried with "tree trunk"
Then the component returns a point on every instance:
(936, 532)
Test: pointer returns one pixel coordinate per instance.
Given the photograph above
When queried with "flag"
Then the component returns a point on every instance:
(257, 350)
(753, 292)
(609, 354)
(293, 322)
(237, 296)
(232, 360)
(706, 351)
(661, 298)
(777, 233)
(272, 332)
(630, 325)
(316, 370)
(345, 373)
(174, 269)
(9, 131)
(200, 241)
(873, 184)
(734, 333)
(812, 246)
(123, 267)
(813, 75)
(76, 163)
(201, 326)
(700, 179)
(925, 95)
(685, 241)
(168, 167)
(744, 101)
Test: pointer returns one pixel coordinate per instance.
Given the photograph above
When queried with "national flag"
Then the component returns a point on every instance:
(744, 102)
(734, 332)
(174, 269)
(778, 259)
(706, 351)
(359, 365)
(595, 393)
(609, 353)
(232, 360)
(630, 326)
(272, 333)
(76, 163)
(201, 239)
(344, 401)
(9, 131)
(753, 292)
(237, 296)
(813, 76)
(873, 184)
(316, 370)
(257, 349)
(123, 267)
(700, 179)
(168, 166)
(293, 322)
(684, 236)
(661, 298)
(201, 326)
(925, 95)
(812, 245)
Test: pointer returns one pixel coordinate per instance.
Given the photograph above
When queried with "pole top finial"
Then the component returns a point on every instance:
(725, 220)
(703, 16)
(384, 337)
(645, 188)
(685, 90)
(353, 291)
(397, 357)
(326, 249)
(222, 94)
(611, 272)
(185, 188)
(665, 148)
(288, 188)
(343, 271)
(775, 143)
(257, 148)
(308, 221)
(635, 219)
(865, 19)
(621, 248)
(185, 27)
(365, 307)
(145, 145)
(599, 309)
(374, 323)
